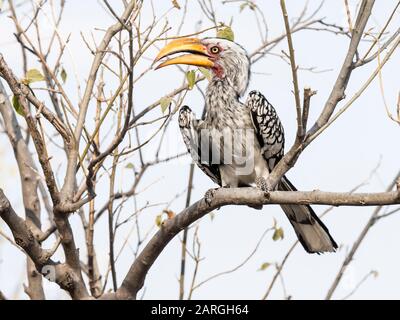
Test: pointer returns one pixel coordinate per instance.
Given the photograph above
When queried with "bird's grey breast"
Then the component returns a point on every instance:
(231, 130)
(224, 110)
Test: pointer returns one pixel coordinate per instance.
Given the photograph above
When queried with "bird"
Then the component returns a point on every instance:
(238, 144)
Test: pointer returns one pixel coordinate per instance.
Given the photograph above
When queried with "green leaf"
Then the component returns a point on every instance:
(191, 78)
(226, 33)
(206, 73)
(63, 75)
(130, 166)
(164, 103)
(264, 266)
(17, 106)
(278, 234)
(159, 220)
(33, 75)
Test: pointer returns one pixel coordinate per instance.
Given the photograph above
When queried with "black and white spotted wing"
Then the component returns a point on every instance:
(190, 128)
(268, 127)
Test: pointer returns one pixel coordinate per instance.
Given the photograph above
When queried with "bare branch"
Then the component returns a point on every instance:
(349, 257)
(62, 273)
(29, 183)
(337, 93)
(22, 90)
(300, 129)
(185, 235)
(238, 196)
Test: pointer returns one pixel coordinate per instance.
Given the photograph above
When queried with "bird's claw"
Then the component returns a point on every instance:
(209, 195)
(262, 184)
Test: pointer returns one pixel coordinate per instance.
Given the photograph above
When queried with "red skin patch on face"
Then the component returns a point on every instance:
(218, 71)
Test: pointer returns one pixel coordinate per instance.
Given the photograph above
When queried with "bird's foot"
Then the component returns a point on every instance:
(209, 195)
(262, 184)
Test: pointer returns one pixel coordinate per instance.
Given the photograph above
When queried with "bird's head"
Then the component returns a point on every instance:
(226, 59)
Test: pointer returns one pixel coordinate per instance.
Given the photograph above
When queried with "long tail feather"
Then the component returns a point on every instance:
(311, 232)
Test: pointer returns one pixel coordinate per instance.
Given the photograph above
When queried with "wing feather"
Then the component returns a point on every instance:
(190, 128)
(268, 128)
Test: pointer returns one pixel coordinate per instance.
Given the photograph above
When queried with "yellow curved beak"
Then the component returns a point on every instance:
(197, 56)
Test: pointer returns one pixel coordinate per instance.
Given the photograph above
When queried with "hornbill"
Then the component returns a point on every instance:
(225, 113)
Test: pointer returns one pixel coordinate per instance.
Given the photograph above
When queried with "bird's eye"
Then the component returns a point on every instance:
(214, 50)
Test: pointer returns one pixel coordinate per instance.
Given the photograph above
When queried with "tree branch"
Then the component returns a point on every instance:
(134, 280)
(349, 257)
(300, 129)
(61, 273)
(29, 184)
(69, 183)
(338, 90)
(20, 89)
(337, 94)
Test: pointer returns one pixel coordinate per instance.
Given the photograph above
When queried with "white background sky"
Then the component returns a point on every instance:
(338, 160)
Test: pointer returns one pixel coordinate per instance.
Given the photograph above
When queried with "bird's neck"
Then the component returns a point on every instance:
(221, 99)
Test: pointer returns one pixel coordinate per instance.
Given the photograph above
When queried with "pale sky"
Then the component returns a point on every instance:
(341, 158)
